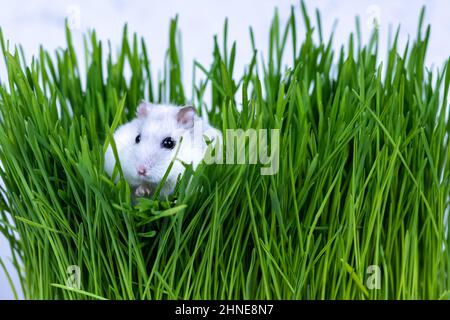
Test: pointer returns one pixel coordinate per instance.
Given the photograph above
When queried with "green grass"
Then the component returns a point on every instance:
(364, 173)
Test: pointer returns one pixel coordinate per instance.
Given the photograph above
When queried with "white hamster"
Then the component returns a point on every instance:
(147, 144)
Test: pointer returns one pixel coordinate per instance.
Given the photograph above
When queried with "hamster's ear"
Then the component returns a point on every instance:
(186, 117)
(142, 109)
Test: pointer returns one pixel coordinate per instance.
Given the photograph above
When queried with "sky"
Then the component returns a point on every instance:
(41, 22)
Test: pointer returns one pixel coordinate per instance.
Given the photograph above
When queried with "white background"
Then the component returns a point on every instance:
(32, 23)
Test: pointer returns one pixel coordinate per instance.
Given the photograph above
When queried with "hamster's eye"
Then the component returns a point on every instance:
(138, 138)
(168, 143)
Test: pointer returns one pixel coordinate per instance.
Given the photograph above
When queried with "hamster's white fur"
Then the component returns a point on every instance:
(153, 124)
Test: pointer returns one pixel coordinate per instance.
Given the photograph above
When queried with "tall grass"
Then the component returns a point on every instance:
(364, 173)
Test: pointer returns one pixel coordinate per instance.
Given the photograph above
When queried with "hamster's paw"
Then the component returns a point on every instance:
(142, 191)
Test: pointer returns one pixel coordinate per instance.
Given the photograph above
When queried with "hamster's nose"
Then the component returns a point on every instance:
(142, 171)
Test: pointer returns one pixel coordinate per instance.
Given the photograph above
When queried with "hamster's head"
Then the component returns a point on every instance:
(147, 144)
